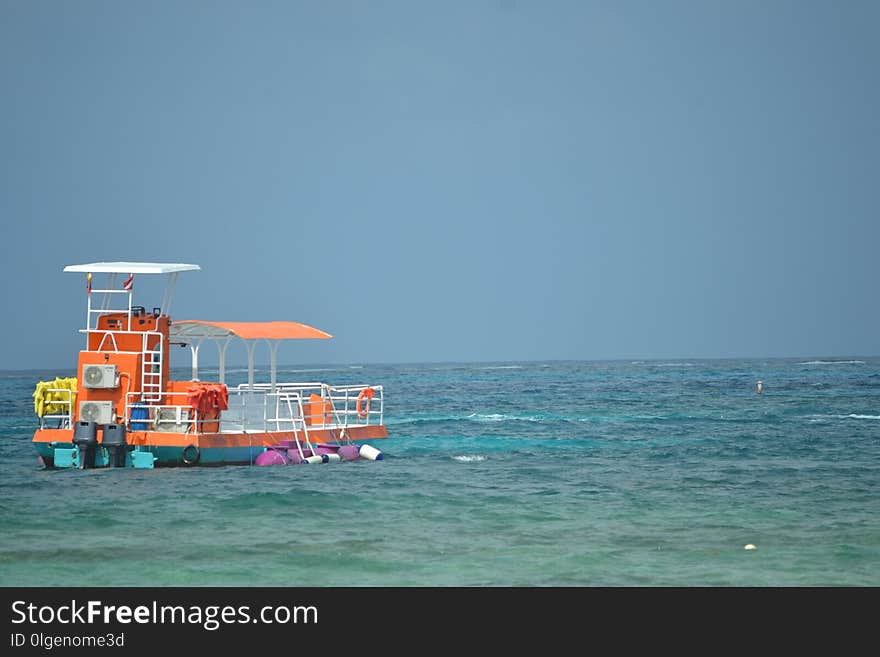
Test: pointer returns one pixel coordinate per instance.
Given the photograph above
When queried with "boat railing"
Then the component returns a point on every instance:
(63, 398)
(287, 407)
(285, 411)
(171, 418)
(344, 400)
(318, 405)
(246, 412)
(261, 409)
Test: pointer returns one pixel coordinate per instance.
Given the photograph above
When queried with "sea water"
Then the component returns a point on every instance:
(631, 473)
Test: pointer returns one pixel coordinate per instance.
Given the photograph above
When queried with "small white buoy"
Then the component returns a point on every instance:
(760, 387)
(750, 547)
(370, 453)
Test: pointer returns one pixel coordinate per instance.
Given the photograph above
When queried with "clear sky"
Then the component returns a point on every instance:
(451, 180)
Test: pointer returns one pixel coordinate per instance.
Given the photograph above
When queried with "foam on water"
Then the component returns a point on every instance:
(833, 362)
(841, 416)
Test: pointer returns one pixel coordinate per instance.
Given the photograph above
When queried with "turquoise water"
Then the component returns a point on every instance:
(560, 473)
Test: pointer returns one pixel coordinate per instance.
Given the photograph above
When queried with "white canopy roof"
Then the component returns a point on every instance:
(132, 268)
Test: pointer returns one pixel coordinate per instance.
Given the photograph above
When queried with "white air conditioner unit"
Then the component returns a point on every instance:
(96, 411)
(100, 376)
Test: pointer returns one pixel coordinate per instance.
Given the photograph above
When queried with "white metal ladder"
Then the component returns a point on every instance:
(151, 370)
(289, 399)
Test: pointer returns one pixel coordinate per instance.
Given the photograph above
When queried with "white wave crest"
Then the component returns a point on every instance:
(850, 416)
(310, 369)
(502, 417)
(832, 362)
(469, 458)
(490, 417)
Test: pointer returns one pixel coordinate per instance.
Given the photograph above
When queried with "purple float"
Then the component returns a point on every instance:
(349, 453)
(289, 452)
(272, 457)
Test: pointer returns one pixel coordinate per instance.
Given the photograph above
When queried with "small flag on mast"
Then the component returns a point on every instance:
(89, 283)
(129, 282)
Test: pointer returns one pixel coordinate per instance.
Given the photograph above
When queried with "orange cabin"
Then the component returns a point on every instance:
(123, 358)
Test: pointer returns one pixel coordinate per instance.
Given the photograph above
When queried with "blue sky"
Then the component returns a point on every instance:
(451, 181)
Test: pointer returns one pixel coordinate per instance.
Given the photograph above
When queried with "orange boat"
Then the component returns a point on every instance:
(123, 410)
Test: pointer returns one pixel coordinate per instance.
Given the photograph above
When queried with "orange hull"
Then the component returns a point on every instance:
(214, 448)
(265, 439)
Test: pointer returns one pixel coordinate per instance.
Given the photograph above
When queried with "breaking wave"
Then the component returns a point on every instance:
(832, 362)
(850, 416)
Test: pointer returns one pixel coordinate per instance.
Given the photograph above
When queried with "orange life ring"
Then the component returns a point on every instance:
(366, 393)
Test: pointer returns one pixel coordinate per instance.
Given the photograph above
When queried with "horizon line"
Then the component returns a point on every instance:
(632, 359)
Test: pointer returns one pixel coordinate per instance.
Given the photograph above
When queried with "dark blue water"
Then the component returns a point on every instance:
(558, 473)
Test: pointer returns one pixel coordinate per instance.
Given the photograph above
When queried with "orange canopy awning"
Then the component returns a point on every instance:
(196, 328)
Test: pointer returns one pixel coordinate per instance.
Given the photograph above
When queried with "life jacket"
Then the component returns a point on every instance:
(51, 397)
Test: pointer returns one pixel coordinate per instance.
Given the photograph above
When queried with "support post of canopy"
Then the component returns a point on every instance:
(222, 349)
(111, 283)
(250, 345)
(88, 316)
(169, 293)
(273, 361)
(195, 359)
